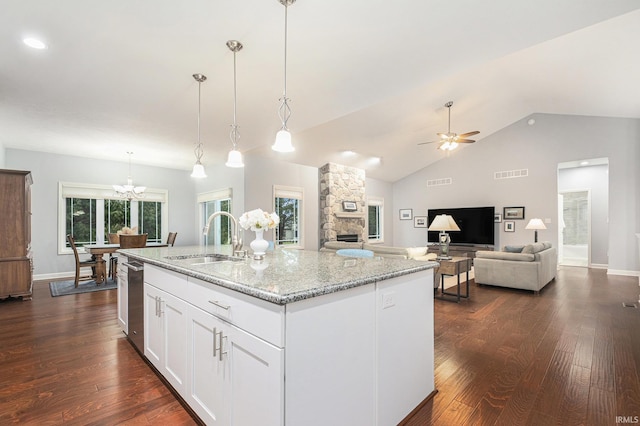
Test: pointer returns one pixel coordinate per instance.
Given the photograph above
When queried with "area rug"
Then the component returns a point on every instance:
(62, 288)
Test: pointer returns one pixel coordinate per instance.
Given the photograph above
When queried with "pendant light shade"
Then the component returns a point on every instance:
(234, 158)
(198, 171)
(283, 137)
(198, 168)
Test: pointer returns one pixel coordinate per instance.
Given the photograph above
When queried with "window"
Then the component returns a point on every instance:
(220, 230)
(90, 212)
(375, 223)
(288, 207)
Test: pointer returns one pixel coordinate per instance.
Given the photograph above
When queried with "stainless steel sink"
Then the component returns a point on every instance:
(204, 259)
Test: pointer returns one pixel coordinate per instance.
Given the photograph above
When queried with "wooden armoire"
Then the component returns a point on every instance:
(16, 265)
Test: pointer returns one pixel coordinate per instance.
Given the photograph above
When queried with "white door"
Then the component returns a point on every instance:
(205, 385)
(123, 305)
(174, 317)
(153, 327)
(255, 387)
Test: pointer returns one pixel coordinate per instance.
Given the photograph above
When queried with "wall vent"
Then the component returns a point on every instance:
(510, 174)
(440, 182)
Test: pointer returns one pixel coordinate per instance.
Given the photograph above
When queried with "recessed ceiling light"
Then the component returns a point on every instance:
(584, 163)
(34, 43)
(531, 122)
(348, 153)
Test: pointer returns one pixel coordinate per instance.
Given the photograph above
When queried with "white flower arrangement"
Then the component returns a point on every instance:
(258, 220)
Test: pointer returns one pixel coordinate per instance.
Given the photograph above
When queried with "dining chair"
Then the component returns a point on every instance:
(91, 263)
(133, 241)
(171, 239)
(113, 257)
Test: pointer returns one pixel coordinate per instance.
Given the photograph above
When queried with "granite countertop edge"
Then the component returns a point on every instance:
(280, 299)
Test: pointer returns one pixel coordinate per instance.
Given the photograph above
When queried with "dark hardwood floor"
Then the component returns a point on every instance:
(569, 356)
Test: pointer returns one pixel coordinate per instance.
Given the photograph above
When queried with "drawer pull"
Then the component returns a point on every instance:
(220, 305)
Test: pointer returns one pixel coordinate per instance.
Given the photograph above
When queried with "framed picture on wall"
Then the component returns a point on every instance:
(349, 206)
(406, 214)
(513, 213)
(420, 222)
(509, 226)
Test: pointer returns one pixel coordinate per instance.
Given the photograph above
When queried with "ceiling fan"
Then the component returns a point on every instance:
(449, 141)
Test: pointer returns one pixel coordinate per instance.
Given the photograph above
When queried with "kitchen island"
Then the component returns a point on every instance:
(300, 338)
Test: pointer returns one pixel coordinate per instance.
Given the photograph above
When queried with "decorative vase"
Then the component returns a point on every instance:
(259, 245)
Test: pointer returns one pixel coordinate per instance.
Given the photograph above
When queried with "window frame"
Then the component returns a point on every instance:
(100, 193)
(378, 202)
(292, 192)
(203, 198)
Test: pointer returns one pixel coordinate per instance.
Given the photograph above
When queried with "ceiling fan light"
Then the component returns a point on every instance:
(283, 142)
(198, 171)
(453, 145)
(234, 159)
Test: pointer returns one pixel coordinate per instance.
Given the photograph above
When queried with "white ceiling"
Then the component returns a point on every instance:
(363, 75)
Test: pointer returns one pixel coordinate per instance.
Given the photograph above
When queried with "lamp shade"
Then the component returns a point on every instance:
(234, 159)
(283, 142)
(535, 223)
(443, 222)
(198, 171)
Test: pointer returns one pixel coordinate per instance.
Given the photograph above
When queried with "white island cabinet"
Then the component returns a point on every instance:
(360, 355)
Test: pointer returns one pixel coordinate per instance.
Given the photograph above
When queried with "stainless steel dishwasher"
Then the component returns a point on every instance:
(135, 307)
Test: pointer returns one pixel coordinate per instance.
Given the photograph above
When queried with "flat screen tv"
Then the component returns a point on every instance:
(477, 226)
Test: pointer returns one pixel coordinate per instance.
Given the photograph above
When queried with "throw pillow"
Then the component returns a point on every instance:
(513, 249)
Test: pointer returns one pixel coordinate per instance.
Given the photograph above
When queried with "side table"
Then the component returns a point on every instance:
(454, 267)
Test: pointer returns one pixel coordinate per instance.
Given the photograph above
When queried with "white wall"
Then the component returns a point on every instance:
(2, 156)
(539, 148)
(260, 176)
(49, 169)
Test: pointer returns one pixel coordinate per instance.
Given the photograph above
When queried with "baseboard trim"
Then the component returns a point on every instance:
(623, 272)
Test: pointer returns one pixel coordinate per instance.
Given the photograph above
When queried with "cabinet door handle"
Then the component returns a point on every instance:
(157, 308)
(220, 305)
(215, 333)
(220, 349)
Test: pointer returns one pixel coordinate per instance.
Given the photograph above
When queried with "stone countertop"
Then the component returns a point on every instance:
(284, 276)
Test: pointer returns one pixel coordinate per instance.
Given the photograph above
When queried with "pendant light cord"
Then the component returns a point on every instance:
(285, 111)
(199, 151)
(234, 128)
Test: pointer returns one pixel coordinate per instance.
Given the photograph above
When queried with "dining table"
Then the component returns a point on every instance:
(99, 250)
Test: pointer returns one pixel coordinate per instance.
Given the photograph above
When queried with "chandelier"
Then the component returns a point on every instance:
(283, 137)
(198, 168)
(235, 157)
(129, 191)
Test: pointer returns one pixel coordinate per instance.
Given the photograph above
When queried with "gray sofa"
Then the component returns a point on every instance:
(529, 267)
(415, 253)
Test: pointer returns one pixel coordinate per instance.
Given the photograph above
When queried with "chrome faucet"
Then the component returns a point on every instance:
(236, 240)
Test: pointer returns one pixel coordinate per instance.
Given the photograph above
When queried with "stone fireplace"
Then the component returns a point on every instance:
(339, 184)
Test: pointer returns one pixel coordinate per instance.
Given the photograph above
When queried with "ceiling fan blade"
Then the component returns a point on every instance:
(425, 143)
(465, 141)
(465, 135)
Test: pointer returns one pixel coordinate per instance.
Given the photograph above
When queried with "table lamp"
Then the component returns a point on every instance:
(443, 223)
(535, 224)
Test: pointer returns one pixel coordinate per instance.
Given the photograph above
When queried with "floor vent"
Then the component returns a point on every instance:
(629, 305)
(440, 182)
(510, 174)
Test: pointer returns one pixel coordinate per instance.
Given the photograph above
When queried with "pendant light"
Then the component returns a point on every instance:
(129, 191)
(235, 157)
(198, 168)
(283, 137)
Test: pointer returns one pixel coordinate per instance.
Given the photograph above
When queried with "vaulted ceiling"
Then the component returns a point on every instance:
(367, 76)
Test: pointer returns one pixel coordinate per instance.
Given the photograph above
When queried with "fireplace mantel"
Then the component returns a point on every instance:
(350, 215)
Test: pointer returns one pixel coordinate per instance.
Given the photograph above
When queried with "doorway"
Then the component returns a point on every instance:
(575, 227)
(583, 213)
